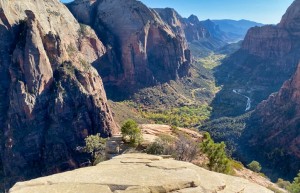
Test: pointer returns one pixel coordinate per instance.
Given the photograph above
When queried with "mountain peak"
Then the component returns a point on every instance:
(290, 20)
(193, 19)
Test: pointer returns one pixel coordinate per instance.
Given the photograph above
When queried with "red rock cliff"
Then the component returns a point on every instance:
(143, 50)
(51, 96)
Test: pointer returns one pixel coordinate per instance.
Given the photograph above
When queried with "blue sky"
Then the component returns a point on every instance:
(264, 11)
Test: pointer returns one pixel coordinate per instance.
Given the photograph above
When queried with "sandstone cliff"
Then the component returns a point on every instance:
(274, 129)
(144, 173)
(202, 34)
(268, 57)
(142, 49)
(51, 97)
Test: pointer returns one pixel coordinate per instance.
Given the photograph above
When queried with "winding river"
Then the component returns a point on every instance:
(248, 105)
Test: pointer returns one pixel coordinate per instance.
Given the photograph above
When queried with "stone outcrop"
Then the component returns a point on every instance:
(51, 96)
(142, 49)
(136, 173)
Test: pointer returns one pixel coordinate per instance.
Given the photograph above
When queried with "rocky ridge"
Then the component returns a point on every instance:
(51, 96)
(142, 172)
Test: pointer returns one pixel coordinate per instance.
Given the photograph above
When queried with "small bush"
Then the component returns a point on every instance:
(282, 183)
(295, 186)
(182, 148)
(131, 130)
(163, 145)
(155, 148)
(215, 152)
(95, 146)
(236, 164)
(186, 149)
(254, 166)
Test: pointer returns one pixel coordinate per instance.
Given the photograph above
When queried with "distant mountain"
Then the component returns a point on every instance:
(236, 30)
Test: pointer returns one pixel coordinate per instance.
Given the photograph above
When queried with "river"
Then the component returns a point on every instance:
(248, 105)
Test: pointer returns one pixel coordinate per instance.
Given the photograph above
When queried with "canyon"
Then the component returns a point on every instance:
(74, 70)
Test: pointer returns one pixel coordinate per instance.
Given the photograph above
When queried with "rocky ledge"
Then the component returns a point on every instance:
(139, 173)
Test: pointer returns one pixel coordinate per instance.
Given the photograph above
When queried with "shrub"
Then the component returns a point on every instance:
(183, 148)
(95, 146)
(156, 148)
(131, 130)
(282, 183)
(186, 149)
(236, 164)
(254, 166)
(295, 186)
(215, 152)
(163, 145)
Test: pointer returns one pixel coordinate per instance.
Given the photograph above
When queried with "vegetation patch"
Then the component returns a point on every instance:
(187, 116)
(211, 61)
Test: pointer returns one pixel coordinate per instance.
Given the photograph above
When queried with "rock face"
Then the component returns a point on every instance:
(274, 126)
(142, 49)
(142, 172)
(277, 121)
(203, 34)
(51, 97)
(268, 57)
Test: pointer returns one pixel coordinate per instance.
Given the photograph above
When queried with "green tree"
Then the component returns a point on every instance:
(95, 146)
(282, 183)
(254, 166)
(163, 145)
(295, 186)
(131, 130)
(215, 152)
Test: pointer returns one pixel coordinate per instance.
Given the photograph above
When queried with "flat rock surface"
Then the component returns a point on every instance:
(139, 173)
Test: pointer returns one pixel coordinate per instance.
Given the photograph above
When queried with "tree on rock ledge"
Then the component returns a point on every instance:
(130, 130)
(215, 152)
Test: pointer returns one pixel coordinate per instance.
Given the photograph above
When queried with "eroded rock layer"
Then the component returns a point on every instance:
(51, 96)
(144, 173)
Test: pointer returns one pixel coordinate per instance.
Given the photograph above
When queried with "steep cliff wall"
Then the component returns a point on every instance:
(51, 97)
(268, 57)
(273, 131)
(143, 50)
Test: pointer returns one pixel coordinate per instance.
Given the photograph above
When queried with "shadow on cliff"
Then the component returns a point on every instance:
(257, 79)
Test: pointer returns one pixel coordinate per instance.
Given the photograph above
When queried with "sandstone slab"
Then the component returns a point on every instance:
(154, 175)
